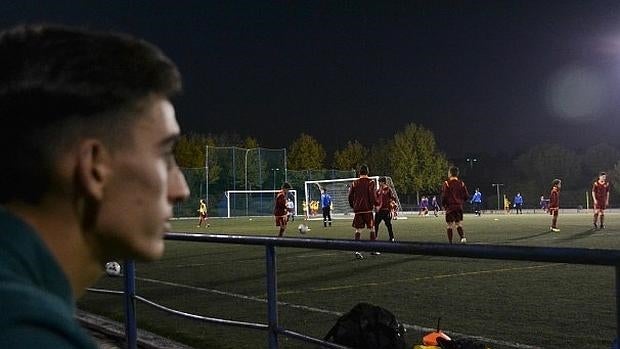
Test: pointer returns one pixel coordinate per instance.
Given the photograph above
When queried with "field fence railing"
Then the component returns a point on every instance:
(584, 256)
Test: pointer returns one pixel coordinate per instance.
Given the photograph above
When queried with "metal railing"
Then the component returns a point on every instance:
(584, 256)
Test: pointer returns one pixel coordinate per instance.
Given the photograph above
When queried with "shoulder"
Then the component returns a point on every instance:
(32, 318)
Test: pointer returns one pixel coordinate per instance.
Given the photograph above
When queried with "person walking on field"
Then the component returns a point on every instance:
(476, 201)
(518, 203)
(385, 197)
(280, 211)
(554, 204)
(326, 206)
(362, 200)
(202, 213)
(453, 194)
(435, 205)
(600, 195)
(506, 204)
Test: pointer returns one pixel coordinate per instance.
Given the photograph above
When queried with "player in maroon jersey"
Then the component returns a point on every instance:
(454, 193)
(385, 198)
(554, 204)
(362, 200)
(280, 211)
(600, 195)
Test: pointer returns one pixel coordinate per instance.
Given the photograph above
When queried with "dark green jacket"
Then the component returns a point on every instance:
(36, 302)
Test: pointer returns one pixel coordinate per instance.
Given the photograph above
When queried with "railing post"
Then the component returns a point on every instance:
(272, 296)
(130, 305)
(618, 303)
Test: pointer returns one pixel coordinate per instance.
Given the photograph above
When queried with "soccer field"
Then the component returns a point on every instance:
(506, 304)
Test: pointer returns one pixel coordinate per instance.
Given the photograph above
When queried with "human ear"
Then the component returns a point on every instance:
(93, 167)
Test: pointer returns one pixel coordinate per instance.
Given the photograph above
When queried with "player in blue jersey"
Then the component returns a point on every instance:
(326, 207)
(476, 201)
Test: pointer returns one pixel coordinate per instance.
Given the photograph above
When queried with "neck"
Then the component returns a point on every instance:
(65, 241)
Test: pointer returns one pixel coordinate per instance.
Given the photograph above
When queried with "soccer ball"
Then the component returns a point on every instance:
(303, 229)
(113, 269)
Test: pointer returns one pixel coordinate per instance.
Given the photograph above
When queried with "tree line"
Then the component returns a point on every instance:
(417, 166)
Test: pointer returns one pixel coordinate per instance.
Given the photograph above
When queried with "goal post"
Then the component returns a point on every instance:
(254, 203)
(338, 189)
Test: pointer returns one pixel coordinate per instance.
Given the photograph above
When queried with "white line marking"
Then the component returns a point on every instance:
(330, 312)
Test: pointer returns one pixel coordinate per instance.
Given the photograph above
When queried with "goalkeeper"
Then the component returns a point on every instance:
(326, 207)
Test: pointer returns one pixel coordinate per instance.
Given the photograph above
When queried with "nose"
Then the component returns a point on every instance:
(178, 190)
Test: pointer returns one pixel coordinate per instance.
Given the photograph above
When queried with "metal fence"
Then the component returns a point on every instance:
(583, 256)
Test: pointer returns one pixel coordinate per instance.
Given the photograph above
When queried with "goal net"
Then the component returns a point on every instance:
(338, 189)
(255, 203)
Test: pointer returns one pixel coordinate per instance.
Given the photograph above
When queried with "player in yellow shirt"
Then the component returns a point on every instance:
(202, 214)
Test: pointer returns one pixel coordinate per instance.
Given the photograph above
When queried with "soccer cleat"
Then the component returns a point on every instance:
(602, 226)
(392, 240)
(555, 230)
(595, 226)
(197, 226)
(375, 253)
(358, 255)
(463, 240)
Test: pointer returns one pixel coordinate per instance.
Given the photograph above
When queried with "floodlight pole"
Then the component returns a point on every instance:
(471, 162)
(497, 185)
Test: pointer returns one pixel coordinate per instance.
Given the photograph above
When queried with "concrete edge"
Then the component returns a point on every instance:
(116, 330)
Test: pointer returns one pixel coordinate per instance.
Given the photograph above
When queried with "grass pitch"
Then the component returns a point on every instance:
(507, 304)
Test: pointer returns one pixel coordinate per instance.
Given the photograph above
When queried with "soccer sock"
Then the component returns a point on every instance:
(595, 217)
(449, 234)
(460, 231)
(554, 221)
(602, 219)
(357, 235)
(281, 232)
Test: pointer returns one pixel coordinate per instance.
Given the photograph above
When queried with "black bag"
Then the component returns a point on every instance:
(368, 326)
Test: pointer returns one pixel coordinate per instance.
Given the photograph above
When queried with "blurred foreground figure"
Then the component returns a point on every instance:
(88, 172)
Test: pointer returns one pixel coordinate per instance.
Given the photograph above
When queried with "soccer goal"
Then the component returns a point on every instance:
(338, 189)
(254, 203)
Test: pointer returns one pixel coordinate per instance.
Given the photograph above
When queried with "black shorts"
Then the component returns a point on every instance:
(454, 215)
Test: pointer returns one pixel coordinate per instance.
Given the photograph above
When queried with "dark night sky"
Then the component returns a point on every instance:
(484, 76)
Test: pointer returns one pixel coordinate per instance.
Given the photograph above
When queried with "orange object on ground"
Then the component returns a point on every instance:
(431, 338)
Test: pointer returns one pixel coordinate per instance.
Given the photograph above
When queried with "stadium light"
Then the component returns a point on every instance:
(471, 162)
(274, 177)
(497, 185)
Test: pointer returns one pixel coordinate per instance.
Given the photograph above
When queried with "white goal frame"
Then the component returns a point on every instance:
(318, 183)
(274, 192)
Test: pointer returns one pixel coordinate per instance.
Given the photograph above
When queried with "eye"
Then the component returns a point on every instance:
(170, 159)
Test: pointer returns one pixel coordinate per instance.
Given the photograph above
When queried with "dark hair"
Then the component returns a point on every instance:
(286, 185)
(556, 181)
(382, 179)
(59, 83)
(363, 170)
(603, 173)
(453, 171)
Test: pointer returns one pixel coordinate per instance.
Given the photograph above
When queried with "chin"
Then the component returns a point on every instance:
(151, 253)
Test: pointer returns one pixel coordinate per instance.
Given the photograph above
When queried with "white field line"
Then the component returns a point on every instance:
(338, 314)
